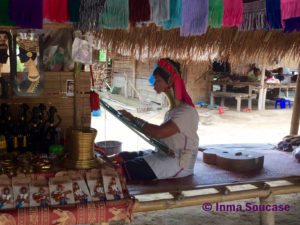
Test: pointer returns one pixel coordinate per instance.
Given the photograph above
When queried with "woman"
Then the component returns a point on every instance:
(178, 131)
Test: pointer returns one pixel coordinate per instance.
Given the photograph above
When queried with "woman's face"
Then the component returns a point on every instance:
(160, 84)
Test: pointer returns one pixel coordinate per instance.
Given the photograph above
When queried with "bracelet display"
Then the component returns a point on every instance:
(139, 122)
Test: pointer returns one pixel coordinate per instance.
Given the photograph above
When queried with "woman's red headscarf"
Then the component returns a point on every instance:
(179, 87)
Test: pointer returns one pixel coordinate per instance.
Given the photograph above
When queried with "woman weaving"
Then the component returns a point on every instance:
(178, 131)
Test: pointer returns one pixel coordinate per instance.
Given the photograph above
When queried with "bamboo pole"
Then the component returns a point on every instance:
(133, 94)
(296, 109)
(267, 217)
(214, 198)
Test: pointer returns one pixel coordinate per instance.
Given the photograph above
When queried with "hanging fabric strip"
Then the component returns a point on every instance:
(73, 10)
(27, 14)
(4, 15)
(216, 11)
(139, 11)
(115, 15)
(89, 12)
(292, 24)
(254, 16)
(273, 14)
(233, 13)
(160, 10)
(194, 17)
(175, 15)
(289, 9)
(55, 10)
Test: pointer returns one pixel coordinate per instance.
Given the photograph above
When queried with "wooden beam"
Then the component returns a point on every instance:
(296, 109)
(46, 26)
(261, 98)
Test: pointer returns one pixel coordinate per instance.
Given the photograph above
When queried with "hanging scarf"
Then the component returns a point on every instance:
(292, 24)
(273, 13)
(89, 12)
(175, 15)
(289, 9)
(216, 11)
(179, 87)
(73, 10)
(160, 10)
(139, 11)
(4, 15)
(27, 14)
(55, 10)
(194, 17)
(115, 15)
(254, 16)
(233, 13)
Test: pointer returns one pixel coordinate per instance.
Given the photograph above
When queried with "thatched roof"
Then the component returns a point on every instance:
(239, 46)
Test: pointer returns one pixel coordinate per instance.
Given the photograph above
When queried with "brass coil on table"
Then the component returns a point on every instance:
(81, 148)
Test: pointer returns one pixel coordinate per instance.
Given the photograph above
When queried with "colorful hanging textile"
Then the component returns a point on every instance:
(73, 10)
(233, 13)
(273, 14)
(175, 15)
(216, 11)
(115, 15)
(160, 10)
(292, 24)
(139, 11)
(55, 10)
(89, 12)
(194, 17)
(27, 14)
(289, 9)
(4, 15)
(254, 16)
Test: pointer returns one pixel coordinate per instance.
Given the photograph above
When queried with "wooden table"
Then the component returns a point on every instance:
(253, 87)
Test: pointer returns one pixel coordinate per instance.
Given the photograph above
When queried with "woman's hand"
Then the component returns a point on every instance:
(126, 114)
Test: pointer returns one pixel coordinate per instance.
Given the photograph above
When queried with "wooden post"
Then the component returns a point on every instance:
(267, 217)
(261, 100)
(133, 94)
(296, 109)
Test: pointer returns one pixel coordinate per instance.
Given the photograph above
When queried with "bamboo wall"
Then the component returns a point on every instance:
(195, 75)
(54, 94)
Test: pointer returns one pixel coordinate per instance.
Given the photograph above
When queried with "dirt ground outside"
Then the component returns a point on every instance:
(268, 126)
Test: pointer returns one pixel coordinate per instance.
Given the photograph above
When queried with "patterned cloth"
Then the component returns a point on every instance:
(233, 13)
(273, 14)
(27, 14)
(56, 10)
(216, 11)
(115, 15)
(194, 17)
(175, 15)
(160, 10)
(292, 24)
(289, 9)
(254, 17)
(139, 11)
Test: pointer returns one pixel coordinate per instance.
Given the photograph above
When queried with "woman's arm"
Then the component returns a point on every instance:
(155, 131)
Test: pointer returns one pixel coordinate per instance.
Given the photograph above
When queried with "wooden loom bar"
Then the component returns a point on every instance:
(296, 109)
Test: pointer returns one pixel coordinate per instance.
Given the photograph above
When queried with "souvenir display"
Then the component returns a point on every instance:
(112, 185)
(80, 189)
(61, 191)
(21, 191)
(95, 184)
(39, 193)
(6, 193)
(29, 78)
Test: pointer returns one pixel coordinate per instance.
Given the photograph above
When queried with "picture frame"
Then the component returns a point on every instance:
(70, 88)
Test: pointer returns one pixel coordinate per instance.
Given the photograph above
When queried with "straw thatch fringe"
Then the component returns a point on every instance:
(261, 47)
